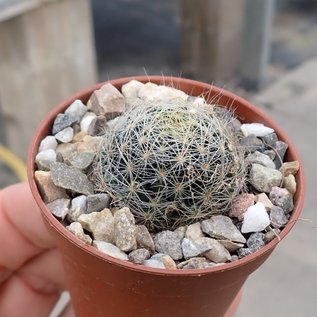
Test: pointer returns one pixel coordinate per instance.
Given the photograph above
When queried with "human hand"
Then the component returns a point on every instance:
(31, 273)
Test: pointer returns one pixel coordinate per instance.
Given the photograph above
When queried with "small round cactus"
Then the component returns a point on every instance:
(172, 163)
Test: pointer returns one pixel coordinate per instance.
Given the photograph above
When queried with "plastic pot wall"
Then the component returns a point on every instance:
(104, 286)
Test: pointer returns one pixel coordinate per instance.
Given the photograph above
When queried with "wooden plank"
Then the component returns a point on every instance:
(256, 41)
(43, 62)
(210, 44)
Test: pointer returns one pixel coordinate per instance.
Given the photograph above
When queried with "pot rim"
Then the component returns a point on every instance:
(55, 224)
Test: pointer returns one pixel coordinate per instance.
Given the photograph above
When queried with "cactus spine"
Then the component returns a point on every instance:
(172, 163)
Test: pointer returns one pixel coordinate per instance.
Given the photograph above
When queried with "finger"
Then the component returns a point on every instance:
(4, 274)
(17, 300)
(41, 279)
(44, 273)
(22, 231)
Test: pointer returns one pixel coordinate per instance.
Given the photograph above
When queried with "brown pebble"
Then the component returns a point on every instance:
(289, 168)
(264, 199)
(48, 190)
(289, 183)
(168, 262)
(107, 101)
(241, 204)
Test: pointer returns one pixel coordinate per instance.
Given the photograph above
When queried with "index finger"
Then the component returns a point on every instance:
(23, 234)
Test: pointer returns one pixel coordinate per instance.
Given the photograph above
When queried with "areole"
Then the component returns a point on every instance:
(101, 285)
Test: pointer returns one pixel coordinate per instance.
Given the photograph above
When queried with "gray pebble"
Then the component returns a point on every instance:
(270, 153)
(191, 249)
(138, 256)
(260, 158)
(270, 235)
(86, 121)
(222, 227)
(71, 178)
(59, 208)
(78, 207)
(243, 252)
(217, 252)
(156, 263)
(62, 121)
(97, 126)
(82, 160)
(45, 158)
(281, 148)
(277, 217)
(234, 258)
(270, 139)
(281, 197)
(235, 125)
(65, 136)
(76, 110)
(97, 202)
(251, 143)
(255, 241)
(165, 259)
(264, 178)
(169, 242)
(48, 143)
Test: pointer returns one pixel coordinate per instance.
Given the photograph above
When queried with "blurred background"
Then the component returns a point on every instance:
(263, 50)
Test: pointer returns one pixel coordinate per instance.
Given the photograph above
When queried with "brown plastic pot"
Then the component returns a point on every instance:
(104, 286)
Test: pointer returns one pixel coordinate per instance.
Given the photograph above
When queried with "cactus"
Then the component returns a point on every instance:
(172, 163)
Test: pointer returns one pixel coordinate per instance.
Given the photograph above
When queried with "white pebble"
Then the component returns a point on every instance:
(46, 155)
(131, 89)
(197, 101)
(66, 135)
(77, 109)
(255, 219)
(77, 229)
(148, 91)
(79, 203)
(154, 263)
(258, 129)
(110, 249)
(48, 143)
(152, 91)
(86, 121)
(78, 207)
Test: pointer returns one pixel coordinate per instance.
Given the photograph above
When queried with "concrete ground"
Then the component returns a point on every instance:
(286, 284)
